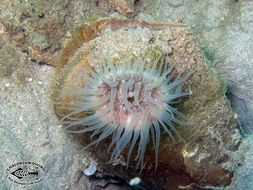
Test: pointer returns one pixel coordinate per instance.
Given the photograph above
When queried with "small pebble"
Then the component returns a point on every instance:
(135, 181)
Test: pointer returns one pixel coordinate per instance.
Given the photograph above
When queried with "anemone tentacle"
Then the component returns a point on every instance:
(131, 103)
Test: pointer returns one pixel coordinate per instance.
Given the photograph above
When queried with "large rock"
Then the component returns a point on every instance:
(214, 125)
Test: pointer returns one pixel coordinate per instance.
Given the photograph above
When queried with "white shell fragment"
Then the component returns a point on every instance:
(91, 169)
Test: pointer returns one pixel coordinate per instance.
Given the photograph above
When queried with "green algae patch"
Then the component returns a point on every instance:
(8, 60)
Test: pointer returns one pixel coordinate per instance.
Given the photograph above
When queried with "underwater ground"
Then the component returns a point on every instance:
(32, 35)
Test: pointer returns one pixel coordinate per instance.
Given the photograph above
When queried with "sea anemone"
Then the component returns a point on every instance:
(130, 103)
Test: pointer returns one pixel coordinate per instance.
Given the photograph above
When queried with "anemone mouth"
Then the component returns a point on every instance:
(130, 102)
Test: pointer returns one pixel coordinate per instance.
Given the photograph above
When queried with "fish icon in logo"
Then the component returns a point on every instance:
(20, 173)
(25, 173)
